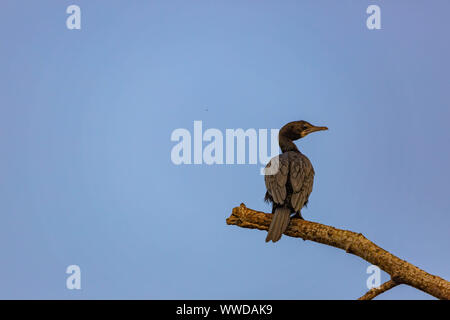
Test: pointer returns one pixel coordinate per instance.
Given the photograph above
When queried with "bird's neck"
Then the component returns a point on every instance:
(286, 144)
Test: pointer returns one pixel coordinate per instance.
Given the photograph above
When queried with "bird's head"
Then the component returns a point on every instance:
(298, 129)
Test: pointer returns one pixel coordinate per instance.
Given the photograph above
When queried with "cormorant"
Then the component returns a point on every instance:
(289, 186)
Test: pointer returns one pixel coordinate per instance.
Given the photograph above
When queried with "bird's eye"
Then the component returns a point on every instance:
(305, 127)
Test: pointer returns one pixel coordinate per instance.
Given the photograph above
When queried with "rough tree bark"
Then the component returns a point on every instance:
(401, 271)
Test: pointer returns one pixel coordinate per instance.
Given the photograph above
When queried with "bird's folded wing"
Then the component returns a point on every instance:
(301, 176)
(277, 171)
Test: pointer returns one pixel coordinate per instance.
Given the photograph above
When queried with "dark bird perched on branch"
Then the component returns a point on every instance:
(289, 178)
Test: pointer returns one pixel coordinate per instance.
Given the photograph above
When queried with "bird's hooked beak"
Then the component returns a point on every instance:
(312, 129)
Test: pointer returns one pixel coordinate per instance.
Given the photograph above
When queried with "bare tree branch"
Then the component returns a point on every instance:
(372, 293)
(401, 272)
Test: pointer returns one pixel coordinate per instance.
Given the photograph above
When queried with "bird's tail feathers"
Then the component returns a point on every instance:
(279, 224)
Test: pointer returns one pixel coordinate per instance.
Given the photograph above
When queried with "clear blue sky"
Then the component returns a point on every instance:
(85, 123)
